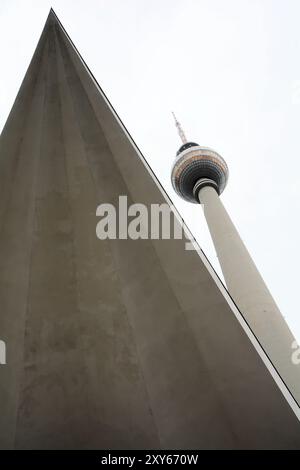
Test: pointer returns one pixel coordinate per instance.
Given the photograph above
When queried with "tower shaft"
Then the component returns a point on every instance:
(249, 290)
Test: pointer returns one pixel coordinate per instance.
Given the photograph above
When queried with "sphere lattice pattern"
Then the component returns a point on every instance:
(194, 164)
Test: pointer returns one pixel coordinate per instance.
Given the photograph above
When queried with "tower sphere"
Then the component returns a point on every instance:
(196, 166)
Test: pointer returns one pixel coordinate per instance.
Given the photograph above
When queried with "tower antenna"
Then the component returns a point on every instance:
(180, 130)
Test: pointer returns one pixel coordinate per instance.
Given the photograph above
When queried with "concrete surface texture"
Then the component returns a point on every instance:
(115, 343)
(249, 290)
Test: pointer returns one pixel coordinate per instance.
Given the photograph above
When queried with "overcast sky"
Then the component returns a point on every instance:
(231, 72)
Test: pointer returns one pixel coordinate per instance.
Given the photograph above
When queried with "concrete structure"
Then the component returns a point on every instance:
(200, 174)
(115, 343)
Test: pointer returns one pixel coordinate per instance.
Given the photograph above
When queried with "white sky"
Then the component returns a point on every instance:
(230, 69)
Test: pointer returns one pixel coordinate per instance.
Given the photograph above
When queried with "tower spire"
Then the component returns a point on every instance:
(180, 130)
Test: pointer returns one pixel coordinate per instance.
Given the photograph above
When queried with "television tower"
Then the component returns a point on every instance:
(200, 175)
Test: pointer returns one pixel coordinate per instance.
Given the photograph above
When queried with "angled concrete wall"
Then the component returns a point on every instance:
(116, 343)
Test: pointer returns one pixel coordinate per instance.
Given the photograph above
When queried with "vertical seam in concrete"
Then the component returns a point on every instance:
(73, 261)
(16, 158)
(115, 267)
(43, 78)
